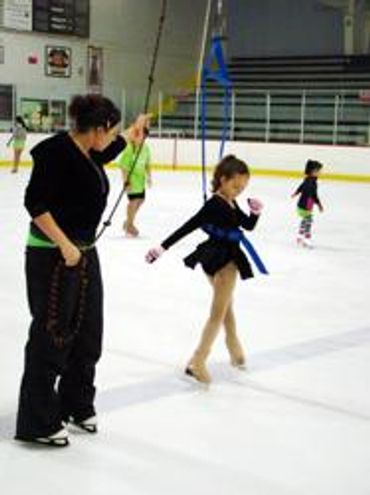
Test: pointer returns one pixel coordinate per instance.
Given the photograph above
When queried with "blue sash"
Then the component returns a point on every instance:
(236, 235)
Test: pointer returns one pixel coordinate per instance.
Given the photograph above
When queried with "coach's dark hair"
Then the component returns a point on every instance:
(312, 166)
(228, 168)
(92, 111)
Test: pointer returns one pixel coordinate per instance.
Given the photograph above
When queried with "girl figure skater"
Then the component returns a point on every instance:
(308, 197)
(220, 257)
(135, 179)
(18, 140)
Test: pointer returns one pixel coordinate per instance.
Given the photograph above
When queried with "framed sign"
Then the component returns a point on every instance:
(94, 69)
(58, 61)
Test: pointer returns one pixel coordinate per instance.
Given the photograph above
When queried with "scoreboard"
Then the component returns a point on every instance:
(61, 17)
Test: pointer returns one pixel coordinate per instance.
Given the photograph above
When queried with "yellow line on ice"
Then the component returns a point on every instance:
(264, 172)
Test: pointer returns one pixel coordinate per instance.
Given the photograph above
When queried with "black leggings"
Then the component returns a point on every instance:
(64, 343)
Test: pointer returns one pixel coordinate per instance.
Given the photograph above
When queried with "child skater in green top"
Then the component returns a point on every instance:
(136, 178)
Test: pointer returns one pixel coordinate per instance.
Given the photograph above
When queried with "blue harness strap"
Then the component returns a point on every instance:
(221, 76)
(236, 235)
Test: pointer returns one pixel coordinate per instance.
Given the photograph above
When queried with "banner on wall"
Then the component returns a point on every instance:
(17, 14)
(94, 69)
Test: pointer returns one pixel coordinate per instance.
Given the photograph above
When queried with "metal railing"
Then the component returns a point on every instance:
(284, 115)
(308, 116)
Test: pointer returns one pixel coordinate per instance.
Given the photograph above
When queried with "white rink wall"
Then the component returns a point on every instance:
(274, 157)
(279, 158)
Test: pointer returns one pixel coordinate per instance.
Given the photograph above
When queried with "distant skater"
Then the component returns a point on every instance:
(18, 142)
(308, 197)
(136, 178)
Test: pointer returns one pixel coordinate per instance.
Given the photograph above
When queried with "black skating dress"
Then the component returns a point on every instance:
(308, 194)
(214, 253)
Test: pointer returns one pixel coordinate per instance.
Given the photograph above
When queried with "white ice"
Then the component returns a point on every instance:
(297, 422)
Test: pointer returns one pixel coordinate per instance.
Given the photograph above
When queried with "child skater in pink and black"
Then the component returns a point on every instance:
(221, 258)
(308, 197)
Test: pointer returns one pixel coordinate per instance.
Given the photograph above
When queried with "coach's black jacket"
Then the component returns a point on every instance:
(72, 187)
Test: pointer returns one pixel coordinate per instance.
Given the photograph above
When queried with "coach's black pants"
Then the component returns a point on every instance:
(64, 343)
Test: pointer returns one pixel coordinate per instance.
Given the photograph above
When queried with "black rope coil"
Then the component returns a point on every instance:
(66, 304)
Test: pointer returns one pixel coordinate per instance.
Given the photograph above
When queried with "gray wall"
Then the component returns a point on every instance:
(30, 80)
(126, 29)
(283, 27)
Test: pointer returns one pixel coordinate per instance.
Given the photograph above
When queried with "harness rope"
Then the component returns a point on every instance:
(108, 222)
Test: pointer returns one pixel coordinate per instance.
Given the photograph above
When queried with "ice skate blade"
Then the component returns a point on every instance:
(51, 442)
(301, 243)
(240, 366)
(57, 440)
(89, 425)
(190, 377)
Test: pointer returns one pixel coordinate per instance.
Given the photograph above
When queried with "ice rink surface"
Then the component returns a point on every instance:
(296, 423)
